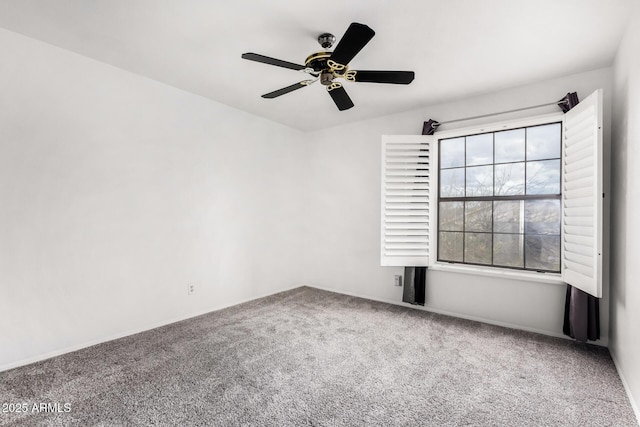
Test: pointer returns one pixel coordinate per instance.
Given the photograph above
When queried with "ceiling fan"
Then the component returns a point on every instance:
(327, 66)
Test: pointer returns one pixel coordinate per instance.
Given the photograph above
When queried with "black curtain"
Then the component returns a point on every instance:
(415, 283)
(581, 315)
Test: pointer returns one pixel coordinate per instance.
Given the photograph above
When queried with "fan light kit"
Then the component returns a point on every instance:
(327, 66)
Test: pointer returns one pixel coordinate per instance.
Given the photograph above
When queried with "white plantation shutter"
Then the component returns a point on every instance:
(582, 196)
(405, 200)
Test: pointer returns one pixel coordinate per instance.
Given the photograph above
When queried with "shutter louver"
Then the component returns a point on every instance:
(582, 196)
(405, 200)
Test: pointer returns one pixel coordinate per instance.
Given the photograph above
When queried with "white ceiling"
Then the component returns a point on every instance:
(457, 48)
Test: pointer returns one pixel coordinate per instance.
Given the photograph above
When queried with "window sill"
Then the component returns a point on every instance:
(503, 273)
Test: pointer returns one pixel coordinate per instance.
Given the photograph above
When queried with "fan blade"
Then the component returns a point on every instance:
(340, 97)
(396, 77)
(284, 90)
(354, 39)
(272, 61)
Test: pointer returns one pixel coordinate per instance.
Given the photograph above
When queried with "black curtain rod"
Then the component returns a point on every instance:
(565, 104)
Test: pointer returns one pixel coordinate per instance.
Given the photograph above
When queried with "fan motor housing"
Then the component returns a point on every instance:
(318, 61)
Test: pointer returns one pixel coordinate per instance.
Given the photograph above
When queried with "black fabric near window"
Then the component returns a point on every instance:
(415, 282)
(581, 315)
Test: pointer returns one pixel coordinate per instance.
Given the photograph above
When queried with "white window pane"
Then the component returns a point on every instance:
(477, 216)
(508, 250)
(451, 216)
(452, 152)
(542, 252)
(450, 246)
(509, 179)
(543, 142)
(479, 181)
(542, 217)
(452, 182)
(543, 177)
(508, 216)
(509, 146)
(477, 248)
(480, 149)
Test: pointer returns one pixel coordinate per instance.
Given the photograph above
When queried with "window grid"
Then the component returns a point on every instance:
(521, 197)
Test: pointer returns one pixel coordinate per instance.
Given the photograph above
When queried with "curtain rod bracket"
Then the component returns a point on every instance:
(429, 127)
(568, 102)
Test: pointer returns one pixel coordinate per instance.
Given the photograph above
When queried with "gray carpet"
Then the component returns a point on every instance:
(313, 358)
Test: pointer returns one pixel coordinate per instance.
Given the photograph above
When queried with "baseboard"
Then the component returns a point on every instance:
(452, 314)
(59, 352)
(625, 384)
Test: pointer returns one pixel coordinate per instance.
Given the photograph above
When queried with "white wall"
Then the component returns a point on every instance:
(625, 231)
(344, 211)
(116, 191)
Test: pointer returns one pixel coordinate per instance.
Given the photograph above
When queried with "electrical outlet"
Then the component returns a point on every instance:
(191, 288)
(398, 280)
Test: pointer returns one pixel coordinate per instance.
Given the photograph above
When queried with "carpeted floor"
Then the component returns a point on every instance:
(313, 358)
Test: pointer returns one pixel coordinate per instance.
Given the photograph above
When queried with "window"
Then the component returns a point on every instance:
(499, 198)
(507, 199)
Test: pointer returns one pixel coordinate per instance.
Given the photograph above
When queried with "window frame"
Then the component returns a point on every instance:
(482, 269)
